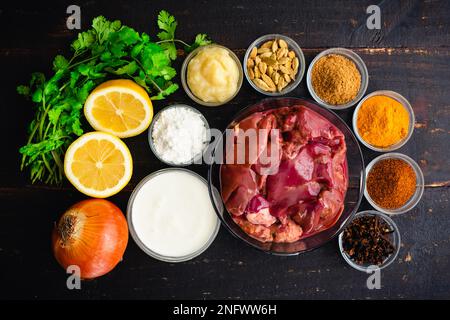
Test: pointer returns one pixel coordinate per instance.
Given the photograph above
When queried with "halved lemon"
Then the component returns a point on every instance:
(120, 107)
(98, 164)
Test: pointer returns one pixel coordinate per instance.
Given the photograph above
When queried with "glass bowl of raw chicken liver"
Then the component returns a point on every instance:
(287, 175)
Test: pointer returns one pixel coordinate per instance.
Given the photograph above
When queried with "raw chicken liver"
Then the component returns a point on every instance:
(302, 190)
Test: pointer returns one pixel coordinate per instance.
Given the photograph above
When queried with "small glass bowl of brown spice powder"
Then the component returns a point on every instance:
(394, 183)
(337, 78)
(370, 241)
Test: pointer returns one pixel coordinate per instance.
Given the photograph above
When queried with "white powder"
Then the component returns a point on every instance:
(179, 134)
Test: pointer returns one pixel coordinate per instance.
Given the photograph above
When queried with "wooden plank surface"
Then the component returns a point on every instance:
(411, 56)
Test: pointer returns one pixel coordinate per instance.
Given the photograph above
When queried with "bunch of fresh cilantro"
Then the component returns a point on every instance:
(108, 50)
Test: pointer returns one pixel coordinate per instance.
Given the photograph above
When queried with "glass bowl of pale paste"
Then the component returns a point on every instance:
(184, 76)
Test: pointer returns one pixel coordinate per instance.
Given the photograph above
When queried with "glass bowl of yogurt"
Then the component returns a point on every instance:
(164, 219)
(211, 75)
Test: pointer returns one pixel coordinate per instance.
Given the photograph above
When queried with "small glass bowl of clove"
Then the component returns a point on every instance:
(274, 64)
(370, 241)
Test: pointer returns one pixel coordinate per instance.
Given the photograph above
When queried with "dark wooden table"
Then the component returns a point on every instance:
(410, 55)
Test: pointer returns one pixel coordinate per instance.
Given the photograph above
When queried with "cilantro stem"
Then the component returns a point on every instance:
(47, 165)
(174, 40)
(83, 61)
(47, 128)
(64, 86)
(57, 160)
(154, 83)
(30, 139)
(32, 134)
(75, 55)
(147, 77)
(41, 123)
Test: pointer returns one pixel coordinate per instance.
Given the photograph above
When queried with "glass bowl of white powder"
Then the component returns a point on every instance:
(178, 135)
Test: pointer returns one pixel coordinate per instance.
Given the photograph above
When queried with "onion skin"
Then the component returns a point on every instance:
(92, 234)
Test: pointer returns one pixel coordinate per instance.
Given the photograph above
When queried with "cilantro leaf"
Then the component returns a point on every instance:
(37, 79)
(136, 50)
(60, 63)
(37, 96)
(201, 39)
(141, 81)
(164, 93)
(84, 41)
(83, 92)
(23, 90)
(129, 69)
(168, 24)
(170, 49)
(74, 76)
(104, 28)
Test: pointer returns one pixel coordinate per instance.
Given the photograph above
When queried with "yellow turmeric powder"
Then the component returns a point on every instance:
(382, 121)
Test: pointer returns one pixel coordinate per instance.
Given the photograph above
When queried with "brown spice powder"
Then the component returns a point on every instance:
(335, 79)
(391, 183)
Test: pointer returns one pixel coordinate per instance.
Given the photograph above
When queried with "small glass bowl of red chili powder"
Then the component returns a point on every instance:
(394, 183)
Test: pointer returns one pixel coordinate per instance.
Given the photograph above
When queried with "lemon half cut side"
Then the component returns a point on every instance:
(98, 164)
(120, 107)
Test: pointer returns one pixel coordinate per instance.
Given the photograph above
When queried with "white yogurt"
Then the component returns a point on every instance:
(172, 214)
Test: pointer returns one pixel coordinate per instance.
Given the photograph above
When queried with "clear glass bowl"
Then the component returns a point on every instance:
(415, 198)
(292, 45)
(152, 144)
(398, 97)
(185, 85)
(361, 68)
(138, 240)
(356, 176)
(394, 237)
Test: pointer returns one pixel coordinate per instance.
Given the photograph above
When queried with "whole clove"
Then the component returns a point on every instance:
(367, 240)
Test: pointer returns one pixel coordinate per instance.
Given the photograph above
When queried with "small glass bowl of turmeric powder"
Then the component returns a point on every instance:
(383, 121)
(394, 183)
